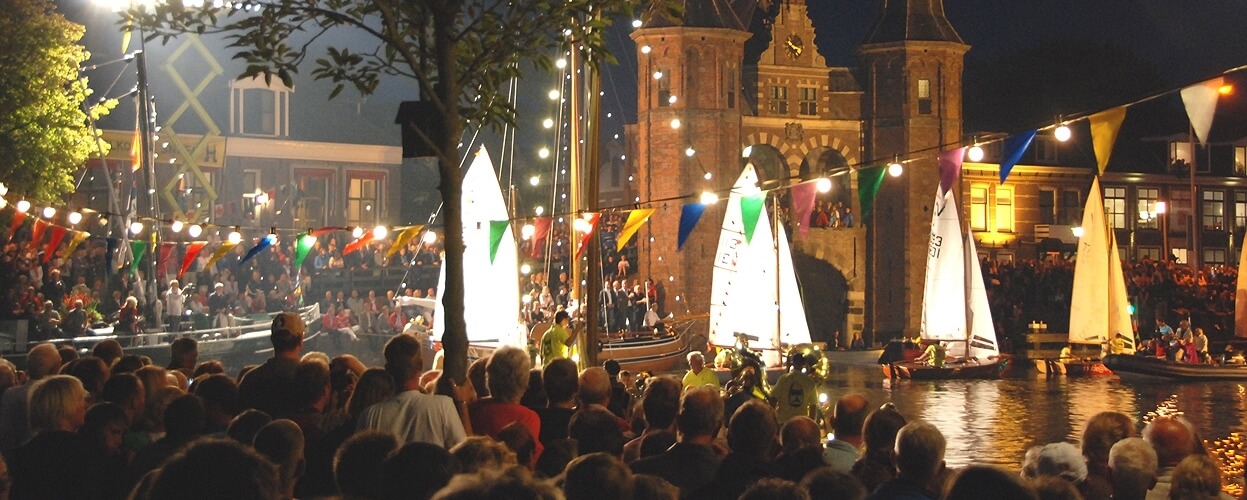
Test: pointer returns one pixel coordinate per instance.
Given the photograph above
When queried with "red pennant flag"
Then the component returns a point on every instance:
(593, 219)
(325, 230)
(37, 235)
(58, 234)
(18, 219)
(541, 231)
(192, 251)
(357, 244)
(162, 259)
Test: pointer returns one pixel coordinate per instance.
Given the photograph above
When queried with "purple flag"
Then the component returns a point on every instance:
(1014, 146)
(802, 203)
(690, 213)
(950, 167)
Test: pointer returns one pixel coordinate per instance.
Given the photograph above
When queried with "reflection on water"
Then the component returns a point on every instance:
(995, 421)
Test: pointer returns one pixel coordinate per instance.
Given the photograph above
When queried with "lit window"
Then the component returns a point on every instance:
(1004, 209)
(729, 87)
(924, 96)
(1115, 206)
(978, 207)
(1213, 210)
(1240, 210)
(1148, 218)
(363, 196)
(313, 198)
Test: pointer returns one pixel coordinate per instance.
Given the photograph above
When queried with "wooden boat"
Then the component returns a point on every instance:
(1150, 367)
(643, 351)
(950, 371)
(865, 357)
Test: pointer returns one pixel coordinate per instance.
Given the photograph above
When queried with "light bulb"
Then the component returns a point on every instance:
(975, 153)
(539, 210)
(543, 153)
(896, 169)
(709, 198)
(136, 227)
(823, 184)
(671, 99)
(554, 95)
(658, 75)
(527, 231)
(561, 63)
(690, 151)
(582, 226)
(430, 237)
(645, 49)
(23, 206)
(675, 123)
(534, 180)
(235, 237)
(195, 230)
(525, 269)
(379, 232)
(547, 123)
(1062, 133)
(176, 226)
(75, 217)
(357, 232)
(708, 176)
(261, 198)
(49, 212)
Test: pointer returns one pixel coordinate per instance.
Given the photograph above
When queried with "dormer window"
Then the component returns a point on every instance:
(259, 109)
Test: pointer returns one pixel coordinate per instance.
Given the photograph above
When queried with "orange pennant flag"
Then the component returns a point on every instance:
(226, 246)
(1104, 127)
(636, 219)
(136, 152)
(402, 239)
(357, 244)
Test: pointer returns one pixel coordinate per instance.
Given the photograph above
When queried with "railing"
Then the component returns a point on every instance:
(379, 280)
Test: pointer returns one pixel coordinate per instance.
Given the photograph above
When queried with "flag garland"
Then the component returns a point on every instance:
(636, 219)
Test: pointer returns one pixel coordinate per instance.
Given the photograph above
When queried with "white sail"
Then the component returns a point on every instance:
(982, 341)
(1089, 303)
(745, 294)
(1118, 300)
(1240, 296)
(491, 288)
(944, 293)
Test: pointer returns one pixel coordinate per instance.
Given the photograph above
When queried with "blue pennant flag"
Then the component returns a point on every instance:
(690, 213)
(259, 247)
(1014, 146)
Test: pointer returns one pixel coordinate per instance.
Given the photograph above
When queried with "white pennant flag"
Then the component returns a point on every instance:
(1201, 103)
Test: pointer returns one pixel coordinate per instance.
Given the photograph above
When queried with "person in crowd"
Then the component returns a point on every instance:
(478, 453)
(597, 476)
(220, 398)
(270, 386)
(58, 408)
(660, 404)
(919, 464)
(1059, 460)
(129, 318)
(848, 419)
(507, 378)
(828, 484)
(514, 482)
(183, 355)
(1132, 469)
(1201, 347)
(1103, 430)
(41, 362)
(878, 438)
(800, 449)
(979, 482)
(692, 462)
(1173, 441)
(75, 322)
(753, 438)
(698, 375)
(556, 341)
(219, 307)
(174, 306)
(184, 421)
(1197, 476)
(237, 472)
(595, 389)
(103, 429)
(416, 471)
(561, 384)
(774, 488)
(796, 392)
(49, 322)
(281, 442)
(412, 415)
(358, 464)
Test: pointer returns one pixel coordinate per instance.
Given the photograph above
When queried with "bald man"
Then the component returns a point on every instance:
(847, 419)
(1173, 439)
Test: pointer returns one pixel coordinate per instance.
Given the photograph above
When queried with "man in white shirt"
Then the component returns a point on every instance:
(173, 306)
(412, 415)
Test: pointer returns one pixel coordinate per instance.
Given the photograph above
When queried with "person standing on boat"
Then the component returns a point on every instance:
(1201, 346)
(697, 374)
(1184, 332)
(1163, 331)
(556, 342)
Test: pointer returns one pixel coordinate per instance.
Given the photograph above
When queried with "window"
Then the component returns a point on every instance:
(192, 194)
(779, 99)
(1004, 209)
(1214, 256)
(1240, 160)
(1213, 210)
(363, 196)
(1152, 253)
(250, 188)
(1180, 154)
(1047, 206)
(259, 108)
(1240, 210)
(1180, 253)
(1045, 150)
(1180, 209)
(729, 87)
(664, 87)
(808, 97)
(978, 207)
(1148, 218)
(1115, 206)
(924, 96)
(313, 198)
(1071, 208)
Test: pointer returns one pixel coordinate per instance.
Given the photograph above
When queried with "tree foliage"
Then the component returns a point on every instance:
(44, 132)
(460, 53)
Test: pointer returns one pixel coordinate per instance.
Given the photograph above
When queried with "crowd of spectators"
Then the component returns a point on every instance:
(303, 425)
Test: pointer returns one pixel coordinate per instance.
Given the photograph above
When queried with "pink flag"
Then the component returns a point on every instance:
(802, 203)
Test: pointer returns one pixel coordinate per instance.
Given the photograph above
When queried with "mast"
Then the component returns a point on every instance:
(584, 197)
(779, 316)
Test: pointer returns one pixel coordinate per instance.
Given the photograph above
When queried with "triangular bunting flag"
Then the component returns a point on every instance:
(1104, 127)
(137, 248)
(162, 260)
(325, 230)
(136, 151)
(267, 241)
(593, 219)
(1201, 105)
(802, 204)
(868, 182)
(226, 246)
(636, 219)
(690, 213)
(192, 251)
(357, 244)
(18, 219)
(950, 167)
(37, 234)
(1014, 146)
(750, 211)
(301, 248)
(497, 228)
(58, 234)
(74, 241)
(541, 226)
(402, 239)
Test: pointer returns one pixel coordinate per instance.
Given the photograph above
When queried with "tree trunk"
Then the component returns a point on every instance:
(455, 335)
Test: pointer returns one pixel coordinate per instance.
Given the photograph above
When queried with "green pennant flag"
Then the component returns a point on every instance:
(301, 248)
(136, 249)
(750, 210)
(496, 230)
(868, 182)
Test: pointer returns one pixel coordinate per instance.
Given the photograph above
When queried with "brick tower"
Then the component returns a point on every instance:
(688, 72)
(911, 74)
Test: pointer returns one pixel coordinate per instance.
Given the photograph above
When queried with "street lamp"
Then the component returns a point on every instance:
(1161, 208)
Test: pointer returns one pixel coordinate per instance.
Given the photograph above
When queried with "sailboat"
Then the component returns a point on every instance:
(955, 310)
(1099, 306)
(754, 290)
(490, 283)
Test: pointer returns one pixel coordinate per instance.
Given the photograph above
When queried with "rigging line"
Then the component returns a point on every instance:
(558, 154)
(99, 148)
(128, 58)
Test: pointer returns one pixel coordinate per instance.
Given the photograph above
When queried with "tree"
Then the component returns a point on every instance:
(45, 135)
(460, 53)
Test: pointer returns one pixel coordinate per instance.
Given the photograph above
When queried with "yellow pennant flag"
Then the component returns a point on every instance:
(402, 239)
(1104, 127)
(636, 219)
(226, 246)
(74, 241)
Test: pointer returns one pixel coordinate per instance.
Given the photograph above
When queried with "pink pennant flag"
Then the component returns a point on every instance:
(802, 203)
(1201, 104)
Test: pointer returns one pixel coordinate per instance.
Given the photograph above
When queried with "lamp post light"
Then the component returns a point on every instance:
(1161, 209)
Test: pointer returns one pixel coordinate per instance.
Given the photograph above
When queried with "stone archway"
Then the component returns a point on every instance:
(769, 163)
(826, 296)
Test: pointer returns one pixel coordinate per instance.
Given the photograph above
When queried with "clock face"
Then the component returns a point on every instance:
(795, 46)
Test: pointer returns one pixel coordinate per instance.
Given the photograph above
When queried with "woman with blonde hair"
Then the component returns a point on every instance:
(58, 407)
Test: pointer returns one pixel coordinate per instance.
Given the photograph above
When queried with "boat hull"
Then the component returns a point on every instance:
(666, 354)
(951, 371)
(1071, 368)
(869, 357)
(1156, 368)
